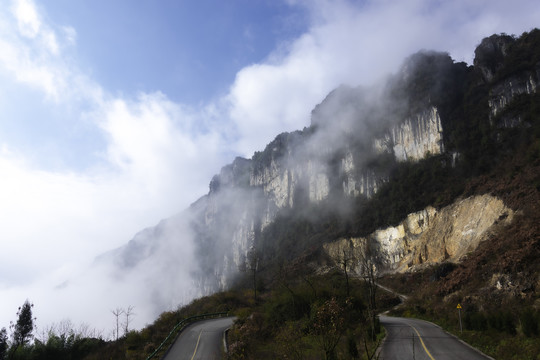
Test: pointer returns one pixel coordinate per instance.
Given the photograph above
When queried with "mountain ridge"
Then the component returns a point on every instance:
(428, 128)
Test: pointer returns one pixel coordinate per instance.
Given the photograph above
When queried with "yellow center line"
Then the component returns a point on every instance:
(196, 346)
(422, 341)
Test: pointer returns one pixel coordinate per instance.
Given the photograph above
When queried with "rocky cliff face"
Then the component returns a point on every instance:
(356, 139)
(426, 237)
(491, 56)
(505, 91)
(415, 137)
(289, 171)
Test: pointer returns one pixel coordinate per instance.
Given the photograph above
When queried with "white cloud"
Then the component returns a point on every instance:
(31, 51)
(70, 34)
(55, 223)
(27, 18)
(154, 141)
(158, 158)
(357, 43)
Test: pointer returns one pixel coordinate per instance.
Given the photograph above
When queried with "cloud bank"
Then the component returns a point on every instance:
(356, 43)
(145, 157)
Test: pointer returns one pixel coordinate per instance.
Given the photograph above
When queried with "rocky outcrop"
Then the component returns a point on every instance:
(355, 183)
(490, 59)
(489, 55)
(505, 91)
(427, 237)
(415, 137)
(248, 194)
(277, 183)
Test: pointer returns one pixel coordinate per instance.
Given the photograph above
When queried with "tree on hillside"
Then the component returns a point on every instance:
(328, 326)
(253, 265)
(368, 273)
(347, 259)
(129, 314)
(117, 312)
(3, 343)
(22, 330)
(249, 263)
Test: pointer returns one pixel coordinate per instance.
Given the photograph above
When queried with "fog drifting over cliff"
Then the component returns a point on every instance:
(148, 157)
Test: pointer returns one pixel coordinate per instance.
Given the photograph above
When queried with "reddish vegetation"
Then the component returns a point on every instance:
(515, 249)
(512, 252)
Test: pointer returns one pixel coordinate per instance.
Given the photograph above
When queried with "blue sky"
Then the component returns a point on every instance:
(116, 114)
(190, 50)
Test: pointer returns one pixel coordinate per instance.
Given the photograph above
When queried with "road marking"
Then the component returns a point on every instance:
(199, 339)
(422, 341)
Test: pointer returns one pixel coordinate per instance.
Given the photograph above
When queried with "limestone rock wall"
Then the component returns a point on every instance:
(358, 183)
(354, 134)
(276, 182)
(504, 92)
(427, 237)
(246, 196)
(415, 137)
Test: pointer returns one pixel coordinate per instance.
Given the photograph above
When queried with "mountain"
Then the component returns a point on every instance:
(383, 171)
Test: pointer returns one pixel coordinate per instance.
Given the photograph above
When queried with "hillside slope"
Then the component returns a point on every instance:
(426, 139)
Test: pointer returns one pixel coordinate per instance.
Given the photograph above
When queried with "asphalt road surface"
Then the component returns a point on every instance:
(201, 340)
(421, 340)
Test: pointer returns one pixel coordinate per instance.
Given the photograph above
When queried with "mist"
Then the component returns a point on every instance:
(150, 157)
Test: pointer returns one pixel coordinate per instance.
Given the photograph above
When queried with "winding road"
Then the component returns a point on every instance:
(201, 340)
(422, 340)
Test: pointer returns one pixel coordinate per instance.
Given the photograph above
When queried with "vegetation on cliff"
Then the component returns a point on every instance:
(498, 285)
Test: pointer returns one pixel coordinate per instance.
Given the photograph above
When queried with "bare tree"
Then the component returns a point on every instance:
(346, 260)
(129, 313)
(117, 312)
(85, 331)
(65, 328)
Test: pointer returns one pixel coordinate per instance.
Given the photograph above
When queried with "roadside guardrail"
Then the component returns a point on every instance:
(181, 325)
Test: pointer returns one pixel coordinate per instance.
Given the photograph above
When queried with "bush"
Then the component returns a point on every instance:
(475, 321)
(529, 322)
(502, 321)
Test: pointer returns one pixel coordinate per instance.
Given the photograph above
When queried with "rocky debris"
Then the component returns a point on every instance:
(427, 237)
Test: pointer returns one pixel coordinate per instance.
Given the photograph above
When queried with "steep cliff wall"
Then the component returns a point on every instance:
(505, 91)
(415, 137)
(290, 170)
(360, 139)
(358, 183)
(500, 60)
(352, 129)
(427, 237)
